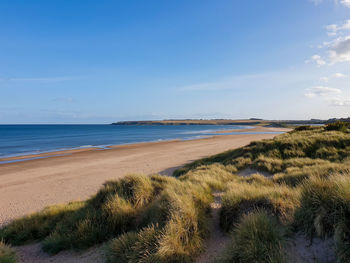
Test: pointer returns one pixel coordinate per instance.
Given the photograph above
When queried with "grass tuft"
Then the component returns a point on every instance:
(165, 219)
(257, 238)
(242, 198)
(7, 254)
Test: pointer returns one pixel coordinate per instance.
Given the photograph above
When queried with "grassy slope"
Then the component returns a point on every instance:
(164, 219)
(309, 192)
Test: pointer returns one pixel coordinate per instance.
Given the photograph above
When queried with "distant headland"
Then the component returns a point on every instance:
(251, 121)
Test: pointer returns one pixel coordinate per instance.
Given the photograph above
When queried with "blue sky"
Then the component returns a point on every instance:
(103, 61)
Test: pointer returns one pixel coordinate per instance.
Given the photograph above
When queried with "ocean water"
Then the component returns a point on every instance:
(17, 140)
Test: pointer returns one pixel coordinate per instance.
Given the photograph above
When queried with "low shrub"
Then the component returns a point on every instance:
(337, 126)
(303, 128)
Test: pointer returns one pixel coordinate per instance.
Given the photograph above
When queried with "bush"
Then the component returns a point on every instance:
(337, 126)
(256, 239)
(7, 254)
(303, 128)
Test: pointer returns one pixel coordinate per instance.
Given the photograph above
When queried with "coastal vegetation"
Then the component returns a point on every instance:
(7, 254)
(272, 190)
(251, 121)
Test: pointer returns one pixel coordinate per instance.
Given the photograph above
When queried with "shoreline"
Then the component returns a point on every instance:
(40, 153)
(61, 152)
(29, 186)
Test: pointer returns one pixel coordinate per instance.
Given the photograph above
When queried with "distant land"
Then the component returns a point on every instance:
(251, 121)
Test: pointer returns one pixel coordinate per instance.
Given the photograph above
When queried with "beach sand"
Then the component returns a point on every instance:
(29, 186)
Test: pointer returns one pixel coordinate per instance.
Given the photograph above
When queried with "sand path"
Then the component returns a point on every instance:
(33, 254)
(218, 239)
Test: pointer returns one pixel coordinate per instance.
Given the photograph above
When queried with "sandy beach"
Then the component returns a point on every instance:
(29, 186)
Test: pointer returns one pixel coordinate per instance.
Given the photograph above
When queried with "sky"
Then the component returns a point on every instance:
(84, 61)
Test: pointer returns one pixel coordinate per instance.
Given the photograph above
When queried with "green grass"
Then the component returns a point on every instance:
(112, 211)
(38, 225)
(178, 209)
(175, 225)
(7, 254)
(308, 190)
(257, 238)
(242, 198)
(165, 219)
(325, 203)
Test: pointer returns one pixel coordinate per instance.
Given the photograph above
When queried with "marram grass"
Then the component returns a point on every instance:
(257, 238)
(165, 219)
(7, 254)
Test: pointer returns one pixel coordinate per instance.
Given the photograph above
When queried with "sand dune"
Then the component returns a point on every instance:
(29, 186)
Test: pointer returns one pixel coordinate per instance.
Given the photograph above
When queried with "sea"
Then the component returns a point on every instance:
(19, 140)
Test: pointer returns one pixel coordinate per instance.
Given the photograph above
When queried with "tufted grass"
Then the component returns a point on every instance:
(7, 254)
(257, 238)
(165, 219)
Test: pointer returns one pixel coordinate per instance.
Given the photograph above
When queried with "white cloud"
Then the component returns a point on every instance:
(345, 3)
(339, 50)
(340, 102)
(339, 75)
(329, 95)
(334, 29)
(321, 91)
(334, 76)
(317, 59)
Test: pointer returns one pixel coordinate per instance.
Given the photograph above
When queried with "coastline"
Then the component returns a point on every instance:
(31, 185)
(46, 152)
(62, 152)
